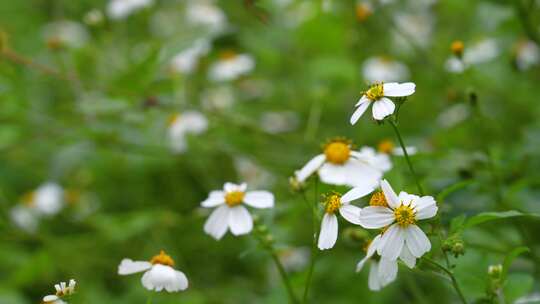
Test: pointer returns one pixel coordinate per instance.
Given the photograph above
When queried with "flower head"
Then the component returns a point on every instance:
(230, 212)
(120, 9)
(340, 164)
(62, 289)
(382, 68)
(399, 219)
(159, 273)
(180, 125)
(378, 95)
(230, 66)
(334, 203)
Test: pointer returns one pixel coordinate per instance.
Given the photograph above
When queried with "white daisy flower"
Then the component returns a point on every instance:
(527, 54)
(180, 125)
(340, 165)
(399, 214)
(187, 60)
(378, 95)
(480, 52)
(231, 66)
(335, 202)
(384, 69)
(387, 147)
(417, 26)
(231, 214)
(24, 217)
(62, 289)
(378, 160)
(159, 273)
(218, 98)
(382, 271)
(206, 14)
(66, 33)
(120, 9)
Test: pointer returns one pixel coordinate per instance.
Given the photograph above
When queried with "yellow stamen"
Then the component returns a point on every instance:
(363, 11)
(227, 55)
(163, 259)
(172, 119)
(386, 146)
(337, 152)
(332, 203)
(234, 198)
(404, 215)
(375, 92)
(378, 199)
(457, 48)
(28, 198)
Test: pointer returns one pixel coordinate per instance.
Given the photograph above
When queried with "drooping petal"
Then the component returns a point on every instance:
(388, 270)
(375, 217)
(358, 112)
(361, 264)
(425, 207)
(392, 242)
(329, 232)
(394, 89)
(161, 277)
(407, 257)
(313, 165)
(351, 213)
(391, 197)
(373, 280)
(382, 108)
(416, 240)
(215, 198)
(128, 266)
(240, 220)
(216, 225)
(356, 193)
(259, 199)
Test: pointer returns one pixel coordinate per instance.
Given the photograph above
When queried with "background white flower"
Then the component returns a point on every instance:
(206, 14)
(189, 122)
(120, 9)
(159, 273)
(378, 95)
(384, 69)
(230, 214)
(400, 217)
(231, 66)
(527, 55)
(482, 51)
(186, 61)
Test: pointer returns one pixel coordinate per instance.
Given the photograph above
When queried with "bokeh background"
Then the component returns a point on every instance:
(88, 98)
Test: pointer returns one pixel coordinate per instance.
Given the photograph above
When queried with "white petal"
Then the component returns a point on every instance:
(351, 213)
(259, 199)
(392, 242)
(240, 220)
(373, 280)
(391, 197)
(356, 193)
(353, 173)
(358, 112)
(407, 257)
(380, 161)
(388, 270)
(329, 232)
(398, 151)
(313, 165)
(362, 100)
(217, 223)
(230, 187)
(425, 207)
(361, 264)
(375, 243)
(128, 266)
(382, 108)
(394, 89)
(215, 198)
(407, 199)
(375, 217)
(50, 298)
(164, 277)
(416, 240)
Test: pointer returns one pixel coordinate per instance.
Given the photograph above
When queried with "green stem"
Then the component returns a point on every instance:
(411, 168)
(450, 275)
(149, 301)
(284, 277)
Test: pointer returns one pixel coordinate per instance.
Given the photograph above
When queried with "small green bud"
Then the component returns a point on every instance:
(458, 248)
(495, 271)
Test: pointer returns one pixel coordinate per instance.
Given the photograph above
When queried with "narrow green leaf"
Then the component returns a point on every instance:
(490, 216)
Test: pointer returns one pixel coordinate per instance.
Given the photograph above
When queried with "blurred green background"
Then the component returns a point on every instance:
(90, 110)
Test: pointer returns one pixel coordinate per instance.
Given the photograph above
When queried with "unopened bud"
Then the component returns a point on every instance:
(495, 271)
(458, 248)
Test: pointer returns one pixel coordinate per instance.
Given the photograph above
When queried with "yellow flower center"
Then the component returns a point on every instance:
(332, 204)
(363, 11)
(386, 146)
(227, 55)
(404, 215)
(163, 259)
(234, 198)
(337, 152)
(28, 199)
(457, 48)
(172, 119)
(375, 92)
(378, 199)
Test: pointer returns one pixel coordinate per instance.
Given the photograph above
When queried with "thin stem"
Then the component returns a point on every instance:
(450, 275)
(411, 168)
(284, 277)
(149, 301)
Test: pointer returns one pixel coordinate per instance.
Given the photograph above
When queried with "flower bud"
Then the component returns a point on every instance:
(458, 248)
(495, 271)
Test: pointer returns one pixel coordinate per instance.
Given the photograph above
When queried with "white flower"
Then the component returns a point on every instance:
(340, 165)
(206, 14)
(378, 160)
(159, 273)
(231, 66)
(230, 214)
(53, 299)
(187, 60)
(24, 217)
(378, 95)
(527, 55)
(120, 9)
(399, 215)
(218, 98)
(384, 69)
(417, 26)
(48, 199)
(189, 122)
(481, 52)
(387, 147)
(383, 271)
(66, 33)
(335, 202)
(62, 289)
(278, 122)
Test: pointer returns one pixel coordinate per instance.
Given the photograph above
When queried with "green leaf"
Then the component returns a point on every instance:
(451, 189)
(518, 285)
(510, 257)
(490, 216)
(457, 224)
